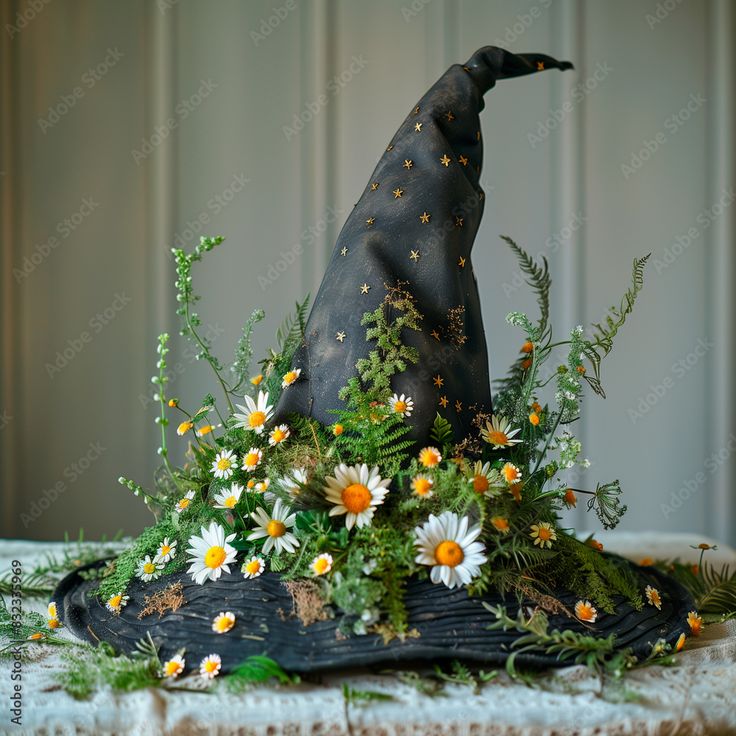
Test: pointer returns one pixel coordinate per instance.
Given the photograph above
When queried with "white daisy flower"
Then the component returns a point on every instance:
(173, 667)
(228, 499)
(290, 377)
(224, 464)
(252, 459)
(183, 503)
(484, 479)
(321, 564)
(253, 567)
(446, 543)
(255, 413)
(148, 569)
(223, 622)
(210, 553)
(422, 485)
(278, 434)
(403, 405)
(498, 433)
(115, 603)
(166, 551)
(210, 666)
(274, 528)
(262, 485)
(355, 491)
(293, 482)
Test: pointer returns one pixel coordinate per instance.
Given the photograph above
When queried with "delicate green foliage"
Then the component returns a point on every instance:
(460, 674)
(352, 696)
(607, 505)
(714, 589)
(257, 669)
(244, 350)
(603, 333)
(441, 433)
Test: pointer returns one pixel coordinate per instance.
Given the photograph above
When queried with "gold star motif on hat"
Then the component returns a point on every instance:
(445, 160)
(374, 186)
(477, 135)
(450, 117)
(340, 337)
(390, 147)
(344, 251)
(458, 405)
(435, 334)
(408, 163)
(461, 262)
(463, 160)
(416, 110)
(418, 127)
(540, 66)
(414, 255)
(370, 221)
(459, 221)
(398, 192)
(364, 289)
(438, 380)
(443, 402)
(466, 68)
(424, 217)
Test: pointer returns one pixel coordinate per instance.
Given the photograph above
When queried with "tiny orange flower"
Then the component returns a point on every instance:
(36, 636)
(501, 524)
(534, 419)
(173, 403)
(585, 611)
(205, 429)
(680, 643)
(536, 406)
(695, 622)
(703, 545)
(54, 623)
(515, 491)
(337, 430)
(580, 369)
(543, 534)
(526, 364)
(422, 486)
(653, 596)
(430, 457)
(646, 561)
(184, 427)
(511, 474)
(570, 498)
(527, 347)
(595, 544)
(256, 380)
(695, 569)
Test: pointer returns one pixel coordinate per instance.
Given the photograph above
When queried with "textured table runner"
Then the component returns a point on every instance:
(694, 698)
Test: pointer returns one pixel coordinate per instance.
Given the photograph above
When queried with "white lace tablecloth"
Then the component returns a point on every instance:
(696, 697)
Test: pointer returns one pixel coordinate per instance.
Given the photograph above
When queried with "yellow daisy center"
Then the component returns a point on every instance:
(224, 463)
(498, 438)
(54, 623)
(422, 486)
(210, 666)
(253, 567)
(278, 435)
(585, 612)
(449, 553)
(480, 483)
(172, 668)
(214, 557)
(223, 624)
(429, 458)
(257, 419)
(544, 533)
(165, 549)
(400, 407)
(510, 473)
(321, 565)
(251, 459)
(356, 498)
(276, 528)
(230, 502)
(183, 503)
(290, 377)
(115, 600)
(149, 568)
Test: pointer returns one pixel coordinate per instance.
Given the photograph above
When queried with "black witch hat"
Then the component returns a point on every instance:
(415, 225)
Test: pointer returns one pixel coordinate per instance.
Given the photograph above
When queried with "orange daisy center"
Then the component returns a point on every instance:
(498, 438)
(278, 435)
(276, 528)
(422, 486)
(400, 407)
(500, 524)
(544, 534)
(356, 498)
(251, 459)
(115, 601)
(210, 666)
(449, 553)
(429, 458)
(172, 668)
(252, 567)
(257, 419)
(321, 566)
(290, 377)
(480, 483)
(214, 557)
(165, 549)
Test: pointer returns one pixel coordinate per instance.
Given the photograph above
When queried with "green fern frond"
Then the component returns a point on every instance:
(244, 349)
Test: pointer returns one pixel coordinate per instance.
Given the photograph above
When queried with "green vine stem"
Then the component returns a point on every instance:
(161, 380)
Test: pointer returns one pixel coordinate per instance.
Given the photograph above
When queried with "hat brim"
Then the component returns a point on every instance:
(446, 624)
